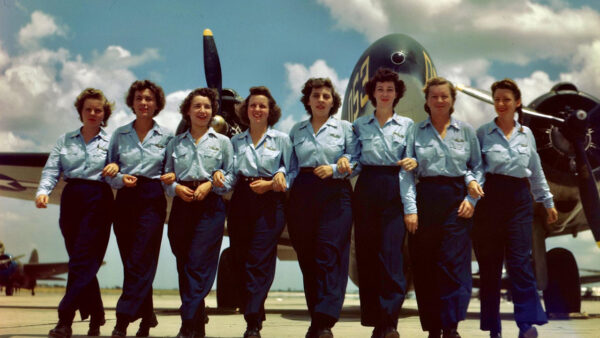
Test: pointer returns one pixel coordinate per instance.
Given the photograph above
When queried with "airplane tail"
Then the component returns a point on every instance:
(34, 256)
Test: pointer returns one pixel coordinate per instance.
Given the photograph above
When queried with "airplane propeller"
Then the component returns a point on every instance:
(575, 129)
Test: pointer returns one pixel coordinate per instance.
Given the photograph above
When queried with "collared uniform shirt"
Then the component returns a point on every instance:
(456, 155)
(516, 157)
(332, 141)
(385, 146)
(73, 158)
(146, 158)
(198, 162)
(272, 155)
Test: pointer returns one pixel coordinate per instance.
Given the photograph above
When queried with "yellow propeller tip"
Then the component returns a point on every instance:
(207, 32)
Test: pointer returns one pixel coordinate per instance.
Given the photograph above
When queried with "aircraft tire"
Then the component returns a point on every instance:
(563, 294)
(228, 290)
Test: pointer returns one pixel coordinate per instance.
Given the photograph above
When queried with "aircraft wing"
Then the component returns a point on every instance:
(45, 270)
(20, 176)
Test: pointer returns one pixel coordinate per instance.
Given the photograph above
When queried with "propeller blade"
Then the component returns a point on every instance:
(485, 96)
(212, 65)
(576, 130)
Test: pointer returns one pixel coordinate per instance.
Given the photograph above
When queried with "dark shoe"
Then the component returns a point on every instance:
(451, 333)
(61, 331)
(530, 333)
(323, 333)
(390, 332)
(116, 333)
(252, 332)
(495, 334)
(310, 333)
(435, 333)
(146, 325)
(95, 324)
(185, 332)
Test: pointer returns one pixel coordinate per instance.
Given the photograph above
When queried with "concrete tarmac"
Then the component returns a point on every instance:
(23, 315)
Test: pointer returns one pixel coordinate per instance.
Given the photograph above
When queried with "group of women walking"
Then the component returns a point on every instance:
(419, 180)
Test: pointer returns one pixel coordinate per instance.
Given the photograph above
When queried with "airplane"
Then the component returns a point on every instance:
(15, 275)
(556, 270)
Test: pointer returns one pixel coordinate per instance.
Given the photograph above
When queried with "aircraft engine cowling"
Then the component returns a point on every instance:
(556, 152)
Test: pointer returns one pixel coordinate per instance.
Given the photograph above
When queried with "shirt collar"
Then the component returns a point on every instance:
(395, 118)
(493, 126)
(102, 134)
(453, 123)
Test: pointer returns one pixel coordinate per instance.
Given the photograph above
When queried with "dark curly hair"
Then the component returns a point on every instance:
(274, 110)
(211, 94)
(159, 94)
(511, 85)
(439, 81)
(385, 75)
(93, 93)
(316, 83)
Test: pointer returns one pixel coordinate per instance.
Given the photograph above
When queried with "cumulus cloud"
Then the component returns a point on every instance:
(41, 25)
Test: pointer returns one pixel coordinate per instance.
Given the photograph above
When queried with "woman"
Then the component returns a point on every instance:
(449, 159)
(320, 206)
(503, 218)
(198, 214)
(256, 218)
(85, 208)
(138, 148)
(381, 204)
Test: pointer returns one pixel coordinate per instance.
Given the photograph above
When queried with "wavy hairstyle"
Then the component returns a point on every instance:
(93, 93)
(439, 81)
(385, 75)
(316, 83)
(274, 110)
(159, 94)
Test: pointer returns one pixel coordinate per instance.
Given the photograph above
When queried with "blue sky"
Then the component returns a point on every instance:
(51, 50)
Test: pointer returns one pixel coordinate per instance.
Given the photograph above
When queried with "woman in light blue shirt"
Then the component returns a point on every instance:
(503, 218)
(320, 206)
(256, 217)
(85, 208)
(138, 148)
(197, 157)
(449, 161)
(382, 207)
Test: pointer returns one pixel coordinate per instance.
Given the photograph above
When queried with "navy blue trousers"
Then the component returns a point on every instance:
(86, 209)
(320, 225)
(440, 253)
(255, 223)
(502, 230)
(195, 233)
(139, 222)
(379, 237)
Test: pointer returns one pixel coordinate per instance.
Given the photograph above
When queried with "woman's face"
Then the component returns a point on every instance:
(440, 100)
(144, 104)
(385, 94)
(92, 113)
(200, 111)
(258, 110)
(320, 102)
(505, 103)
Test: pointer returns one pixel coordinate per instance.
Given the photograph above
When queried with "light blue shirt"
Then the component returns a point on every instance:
(73, 158)
(456, 155)
(272, 155)
(146, 158)
(385, 146)
(516, 157)
(332, 141)
(198, 162)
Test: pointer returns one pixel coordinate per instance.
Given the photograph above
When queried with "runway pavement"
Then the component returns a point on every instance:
(24, 315)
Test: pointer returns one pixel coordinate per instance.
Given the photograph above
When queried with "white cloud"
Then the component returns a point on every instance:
(287, 123)
(119, 57)
(41, 25)
(3, 57)
(170, 116)
(11, 142)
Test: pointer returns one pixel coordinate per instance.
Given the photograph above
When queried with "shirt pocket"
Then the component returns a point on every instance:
(524, 154)
(98, 156)
(371, 146)
(426, 152)
(270, 159)
(494, 155)
(398, 143)
(459, 150)
(334, 145)
(181, 160)
(212, 158)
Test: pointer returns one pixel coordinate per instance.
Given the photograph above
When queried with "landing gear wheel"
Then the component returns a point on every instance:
(563, 294)
(228, 282)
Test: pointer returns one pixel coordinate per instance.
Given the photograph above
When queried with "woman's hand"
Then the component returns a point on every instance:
(219, 179)
(412, 223)
(279, 182)
(110, 170)
(41, 201)
(552, 215)
(343, 166)
(129, 180)
(323, 171)
(475, 190)
(202, 191)
(168, 178)
(466, 209)
(261, 186)
(408, 163)
(185, 193)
